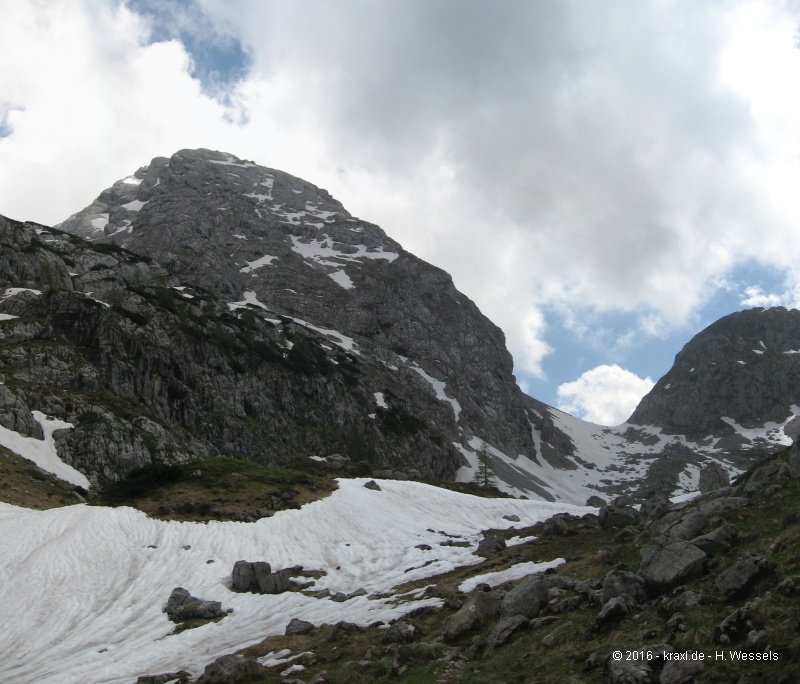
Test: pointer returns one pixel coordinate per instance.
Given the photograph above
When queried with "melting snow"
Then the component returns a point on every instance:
(100, 222)
(135, 205)
(249, 298)
(107, 572)
(345, 342)
(341, 278)
(265, 260)
(230, 162)
(380, 400)
(321, 249)
(7, 317)
(43, 451)
(515, 572)
(439, 388)
(11, 291)
(132, 180)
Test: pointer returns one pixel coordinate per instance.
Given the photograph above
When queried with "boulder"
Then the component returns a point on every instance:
(257, 577)
(712, 477)
(511, 518)
(628, 671)
(614, 610)
(477, 609)
(688, 527)
(719, 540)
(596, 502)
(399, 632)
(298, 626)
(555, 526)
(618, 515)
(736, 624)
(528, 598)
(182, 606)
(556, 635)
(492, 542)
(232, 669)
(665, 566)
(794, 461)
(740, 577)
(373, 485)
(504, 629)
(619, 582)
(681, 671)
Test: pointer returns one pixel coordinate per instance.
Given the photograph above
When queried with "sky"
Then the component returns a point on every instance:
(604, 179)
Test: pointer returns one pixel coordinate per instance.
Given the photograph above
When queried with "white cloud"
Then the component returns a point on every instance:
(577, 156)
(606, 395)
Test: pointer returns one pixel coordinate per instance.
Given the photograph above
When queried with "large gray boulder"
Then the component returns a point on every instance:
(666, 566)
(718, 540)
(477, 609)
(614, 610)
(504, 629)
(740, 577)
(257, 577)
(713, 477)
(618, 515)
(182, 606)
(619, 582)
(232, 669)
(528, 598)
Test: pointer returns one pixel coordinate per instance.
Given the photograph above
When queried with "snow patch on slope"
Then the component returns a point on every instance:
(107, 572)
(43, 451)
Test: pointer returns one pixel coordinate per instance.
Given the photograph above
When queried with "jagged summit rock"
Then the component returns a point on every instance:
(207, 305)
(740, 373)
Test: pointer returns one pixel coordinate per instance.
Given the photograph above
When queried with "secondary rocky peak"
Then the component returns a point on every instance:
(740, 373)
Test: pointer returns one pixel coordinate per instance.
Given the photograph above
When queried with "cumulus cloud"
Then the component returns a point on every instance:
(572, 156)
(606, 395)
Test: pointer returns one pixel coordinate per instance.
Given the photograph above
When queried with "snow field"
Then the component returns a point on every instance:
(89, 582)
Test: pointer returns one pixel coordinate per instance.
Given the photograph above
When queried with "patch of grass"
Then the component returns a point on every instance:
(221, 488)
(22, 483)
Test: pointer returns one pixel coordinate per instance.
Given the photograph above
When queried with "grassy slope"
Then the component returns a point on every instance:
(22, 483)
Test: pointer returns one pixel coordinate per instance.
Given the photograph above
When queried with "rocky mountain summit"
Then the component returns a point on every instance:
(208, 306)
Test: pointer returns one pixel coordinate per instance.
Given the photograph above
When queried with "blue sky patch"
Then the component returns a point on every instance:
(219, 61)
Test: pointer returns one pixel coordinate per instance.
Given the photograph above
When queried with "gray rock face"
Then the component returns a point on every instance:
(712, 477)
(665, 566)
(182, 606)
(618, 515)
(232, 668)
(477, 609)
(528, 598)
(737, 579)
(619, 582)
(737, 368)
(257, 577)
(505, 629)
(614, 610)
(232, 227)
(297, 626)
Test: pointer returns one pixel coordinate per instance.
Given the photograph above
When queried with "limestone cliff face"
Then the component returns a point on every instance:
(206, 304)
(743, 369)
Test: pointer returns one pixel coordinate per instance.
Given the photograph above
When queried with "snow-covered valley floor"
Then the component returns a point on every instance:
(82, 587)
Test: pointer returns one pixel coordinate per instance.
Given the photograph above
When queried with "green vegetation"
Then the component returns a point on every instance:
(484, 475)
(216, 488)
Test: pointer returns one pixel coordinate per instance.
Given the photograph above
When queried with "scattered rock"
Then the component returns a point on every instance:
(556, 635)
(182, 606)
(257, 577)
(740, 577)
(297, 626)
(492, 542)
(373, 485)
(511, 518)
(618, 515)
(681, 671)
(399, 632)
(528, 598)
(712, 477)
(719, 540)
(555, 526)
(423, 547)
(614, 610)
(232, 668)
(664, 567)
(618, 582)
(477, 609)
(596, 502)
(504, 629)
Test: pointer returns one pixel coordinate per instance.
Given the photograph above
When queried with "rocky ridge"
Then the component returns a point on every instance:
(209, 306)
